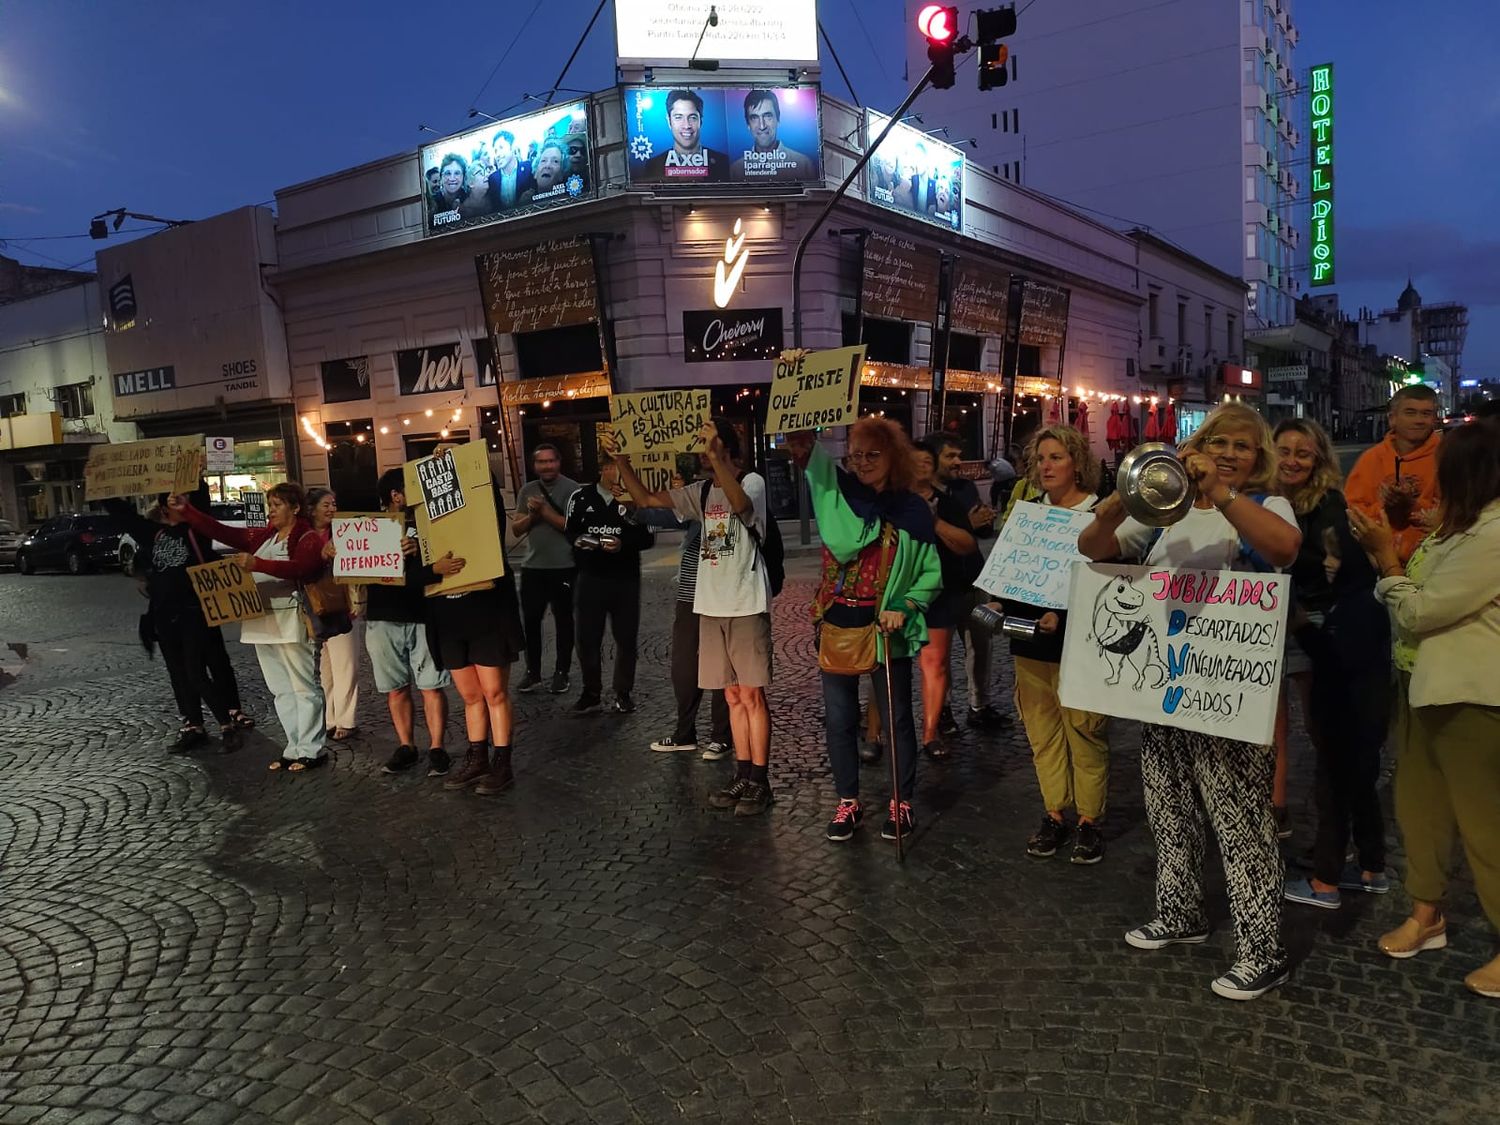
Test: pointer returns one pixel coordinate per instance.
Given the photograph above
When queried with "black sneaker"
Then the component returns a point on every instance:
(438, 762)
(846, 818)
(402, 760)
(908, 822)
(561, 683)
(987, 718)
(623, 704)
(871, 752)
(1052, 835)
(728, 798)
(1090, 845)
(947, 724)
(587, 704)
(530, 683)
(672, 746)
(1156, 934)
(188, 738)
(1246, 981)
(755, 800)
(714, 751)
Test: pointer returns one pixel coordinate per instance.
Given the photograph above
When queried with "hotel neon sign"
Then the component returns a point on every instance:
(1322, 174)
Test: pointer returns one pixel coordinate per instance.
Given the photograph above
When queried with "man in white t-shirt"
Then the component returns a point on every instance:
(732, 601)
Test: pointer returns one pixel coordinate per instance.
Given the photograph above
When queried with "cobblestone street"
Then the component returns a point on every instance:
(196, 939)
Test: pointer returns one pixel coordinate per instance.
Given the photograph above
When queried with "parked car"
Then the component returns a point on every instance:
(76, 543)
(10, 541)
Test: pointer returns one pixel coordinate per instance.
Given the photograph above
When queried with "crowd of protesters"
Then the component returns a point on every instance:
(1392, 634)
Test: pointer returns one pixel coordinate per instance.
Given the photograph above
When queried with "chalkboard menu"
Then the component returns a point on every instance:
(781, 487)
(979, 298)
(1044, 315)
(548, 285)
(900, 278)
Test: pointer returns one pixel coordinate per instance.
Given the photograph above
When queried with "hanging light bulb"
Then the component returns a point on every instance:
(385, 429)
(429, 412)
(406, 421)
(443, 432)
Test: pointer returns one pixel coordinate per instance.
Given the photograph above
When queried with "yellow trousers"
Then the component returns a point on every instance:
(1068, 747)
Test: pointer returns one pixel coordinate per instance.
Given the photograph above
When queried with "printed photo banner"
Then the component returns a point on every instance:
(814, 390)
(1033, 558)
(1196, 649)
(143, 468)
(367, 548)
(226, 592)
(669, 421)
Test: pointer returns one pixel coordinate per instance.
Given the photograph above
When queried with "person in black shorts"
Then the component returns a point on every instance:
(476, 637)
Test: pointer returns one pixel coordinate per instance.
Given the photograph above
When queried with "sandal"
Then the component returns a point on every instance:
(242, 720)
(937, 751)
(342, 734)
(302, 765)
(283, 763)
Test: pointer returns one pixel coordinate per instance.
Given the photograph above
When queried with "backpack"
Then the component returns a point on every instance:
(771, 549)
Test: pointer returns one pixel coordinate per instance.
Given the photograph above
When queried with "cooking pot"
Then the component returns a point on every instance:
(1154, 485)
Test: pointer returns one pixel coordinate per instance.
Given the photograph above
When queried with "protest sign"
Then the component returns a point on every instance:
(658, 471)
(442, 492)
(815, 389)
(1033, 558)
(659, 420)
(142, 468)
(367, 548)
(1195, 649)
(226, 592)
(255, 508)
(471, 533)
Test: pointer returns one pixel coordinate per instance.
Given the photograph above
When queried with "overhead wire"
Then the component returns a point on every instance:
(474, 101)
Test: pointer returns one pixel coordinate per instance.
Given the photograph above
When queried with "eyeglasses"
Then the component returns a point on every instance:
(856, 456)
(1222, 445)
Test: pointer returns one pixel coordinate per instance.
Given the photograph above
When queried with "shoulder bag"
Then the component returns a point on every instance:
(852, 650)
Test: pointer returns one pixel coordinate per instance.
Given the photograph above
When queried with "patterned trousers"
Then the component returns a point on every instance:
(1233, 781)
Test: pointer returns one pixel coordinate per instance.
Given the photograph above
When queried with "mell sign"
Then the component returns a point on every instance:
(1321, 128)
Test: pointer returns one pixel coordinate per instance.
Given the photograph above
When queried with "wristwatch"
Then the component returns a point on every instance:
(1234, 495)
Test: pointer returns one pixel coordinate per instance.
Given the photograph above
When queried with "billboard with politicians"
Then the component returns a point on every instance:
(507, 168)
(912, 173)
(723, 134)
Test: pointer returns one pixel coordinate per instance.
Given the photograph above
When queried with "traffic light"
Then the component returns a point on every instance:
(990, 27)
(939, 24)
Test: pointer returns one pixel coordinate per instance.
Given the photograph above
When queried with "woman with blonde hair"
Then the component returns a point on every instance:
(1233, 525)
(1068, 747)
(1336, 654)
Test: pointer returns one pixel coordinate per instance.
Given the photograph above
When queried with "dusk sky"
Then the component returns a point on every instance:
(184, 110)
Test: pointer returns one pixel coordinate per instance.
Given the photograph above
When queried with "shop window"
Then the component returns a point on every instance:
(570, 424)
(421, 445)
(1182, 315)
(963, 418)
(888, 402)
(1029, 360)
(1153, 316)
(558, 351)
(965, 352)
(76, 400)
(12, 406)
(887, 341)
(353, 470)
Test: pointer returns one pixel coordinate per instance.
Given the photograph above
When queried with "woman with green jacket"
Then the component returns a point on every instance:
(880, 568)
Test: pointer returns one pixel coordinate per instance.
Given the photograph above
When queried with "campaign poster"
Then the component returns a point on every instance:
(723, 134)
(913, 173)
(507, 168)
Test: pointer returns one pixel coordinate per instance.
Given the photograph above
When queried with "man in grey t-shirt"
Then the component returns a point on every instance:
(547, 577)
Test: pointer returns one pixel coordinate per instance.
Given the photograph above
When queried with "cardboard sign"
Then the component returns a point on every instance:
(255, 508)
(659, 420)
(443, 492)
(226, 592)
(1195, 649)
(143, 468)
(658, 471)
(1034, 555)
(811, 390)
(472, 532)
(220, 452)
(367, 548)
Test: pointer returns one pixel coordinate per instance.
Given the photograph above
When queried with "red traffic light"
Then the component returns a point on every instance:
(939, 23)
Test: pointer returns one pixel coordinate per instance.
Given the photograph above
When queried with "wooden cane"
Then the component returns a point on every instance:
(890, 713)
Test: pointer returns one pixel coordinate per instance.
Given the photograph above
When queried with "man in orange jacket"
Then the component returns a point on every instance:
(1399, 476)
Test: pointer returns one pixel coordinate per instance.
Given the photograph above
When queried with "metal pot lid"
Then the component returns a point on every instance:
(1154, 485)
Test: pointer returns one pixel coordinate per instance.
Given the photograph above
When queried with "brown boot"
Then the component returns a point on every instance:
(499, 778)
(476, 765)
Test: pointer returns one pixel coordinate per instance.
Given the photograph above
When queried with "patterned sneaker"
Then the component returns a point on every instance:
(1301, 890)
(908, 821)
(1052, 835)
(1089, 847)
(671, 746)
(438, 762)
(530, 684)
(1246, 981)
(728, 798)
(402, 760)
(1156, 934)
(846, 818)
(755, 800)
(715, 751)
(1353, 879)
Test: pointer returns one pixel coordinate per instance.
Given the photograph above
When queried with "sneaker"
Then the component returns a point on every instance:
(671, 746)
(1411, 938)
(530, 683)
(846, 818)
(587, 704)
(1156, 934)
(947, 724)
(438, 762)
(1052, 835)
(987, 718)
(1353, 879)
(1283, 823)
(188, 738)
(402, 760)
(1090, 845)
(1485, 981)
(623, 705)
(871, 752)
(1301, 890)
(755, 800)
(1246, 981)
(716, 751)
(908, 822)
(561, 683)
(476, 765)
(729, 798)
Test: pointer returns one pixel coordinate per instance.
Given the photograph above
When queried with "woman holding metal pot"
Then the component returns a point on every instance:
(1068, 747)
(1233, 524)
